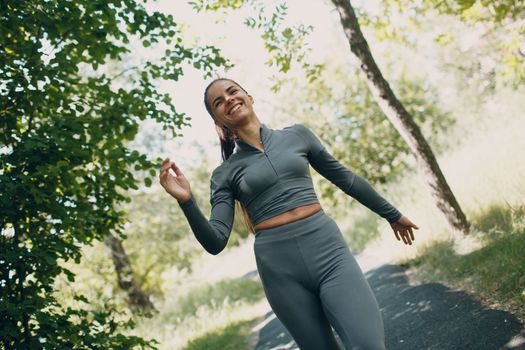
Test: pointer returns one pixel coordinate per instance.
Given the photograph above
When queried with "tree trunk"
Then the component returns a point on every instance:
(137, 299)
(402, 121)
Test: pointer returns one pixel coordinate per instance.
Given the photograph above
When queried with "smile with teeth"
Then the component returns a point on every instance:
(235, 108)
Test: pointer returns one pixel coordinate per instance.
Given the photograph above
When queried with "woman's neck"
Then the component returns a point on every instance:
(250, 133)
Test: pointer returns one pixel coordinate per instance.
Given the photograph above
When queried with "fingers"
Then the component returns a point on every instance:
(396, 232)
(405, 238)
(176, 169)
(409, 238)
(164, 171)
(407, 235)
(162, 177)
(166, 165)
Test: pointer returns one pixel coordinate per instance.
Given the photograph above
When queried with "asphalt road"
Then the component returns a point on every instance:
(425, 316)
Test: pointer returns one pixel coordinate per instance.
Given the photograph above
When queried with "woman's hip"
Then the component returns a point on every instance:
(310, 247)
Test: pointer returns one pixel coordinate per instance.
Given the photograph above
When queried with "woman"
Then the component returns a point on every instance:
(309, 275)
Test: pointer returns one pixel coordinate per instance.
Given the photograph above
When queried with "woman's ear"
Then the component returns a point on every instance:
(251, 99)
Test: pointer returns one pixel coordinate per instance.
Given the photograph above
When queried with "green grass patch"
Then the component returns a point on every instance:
(234, 336)
(496, 271)
(215, 296)
(497, 220)
(204, 313)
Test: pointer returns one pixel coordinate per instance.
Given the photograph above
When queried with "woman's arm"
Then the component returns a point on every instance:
(354, 185)
(349, 182)
(212, 234)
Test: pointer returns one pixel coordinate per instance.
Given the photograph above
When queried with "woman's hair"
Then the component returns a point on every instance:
(227, 139)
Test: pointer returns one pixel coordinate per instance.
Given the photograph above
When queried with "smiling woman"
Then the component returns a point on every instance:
(309, 275)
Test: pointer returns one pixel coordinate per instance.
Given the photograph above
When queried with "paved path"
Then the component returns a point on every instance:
(425, 316)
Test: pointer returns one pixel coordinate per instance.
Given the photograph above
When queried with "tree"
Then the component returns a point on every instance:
(402, 120)
(65, 162)
(137, 299)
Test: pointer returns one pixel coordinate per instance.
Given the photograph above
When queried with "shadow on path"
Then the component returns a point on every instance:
(426, 316)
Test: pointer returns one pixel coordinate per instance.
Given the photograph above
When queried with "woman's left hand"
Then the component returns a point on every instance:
(403, 229)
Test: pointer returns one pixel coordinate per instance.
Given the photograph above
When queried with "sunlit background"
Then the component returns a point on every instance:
(459, 71)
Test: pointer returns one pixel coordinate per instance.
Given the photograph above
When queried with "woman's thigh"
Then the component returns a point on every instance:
(301, 312)
(351, 306)
(346, 296)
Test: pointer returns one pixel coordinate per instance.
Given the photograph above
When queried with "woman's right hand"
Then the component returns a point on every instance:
(177, 185)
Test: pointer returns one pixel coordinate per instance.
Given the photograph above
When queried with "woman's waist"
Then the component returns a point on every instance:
(289, 216)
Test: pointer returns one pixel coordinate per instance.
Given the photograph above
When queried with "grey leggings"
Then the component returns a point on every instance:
(312, 282)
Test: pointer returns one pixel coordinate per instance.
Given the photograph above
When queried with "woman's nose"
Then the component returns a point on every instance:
(228, 99)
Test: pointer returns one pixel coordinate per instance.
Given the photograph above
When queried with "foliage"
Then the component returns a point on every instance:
(287, 45)
(212, 296)
(363, 229)
(198, 309)
(158, 238)
(477, 10)
(65, 164)
(232, 336)
(214, 5)
(497, 220)
(498, 49)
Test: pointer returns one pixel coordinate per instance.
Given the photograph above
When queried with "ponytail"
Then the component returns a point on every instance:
(227, 140)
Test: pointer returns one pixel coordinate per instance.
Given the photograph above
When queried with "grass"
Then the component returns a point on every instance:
(220, 313)
(215, 296)
(497, 219)
(495, 272)
(232, 337)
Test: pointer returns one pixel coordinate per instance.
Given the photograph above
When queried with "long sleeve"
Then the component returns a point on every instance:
(350, 183)
(212, 234)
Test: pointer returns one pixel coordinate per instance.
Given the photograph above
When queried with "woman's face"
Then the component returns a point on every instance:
(230, 104)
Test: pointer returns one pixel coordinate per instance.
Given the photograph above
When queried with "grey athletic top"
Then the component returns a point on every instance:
(274, 181)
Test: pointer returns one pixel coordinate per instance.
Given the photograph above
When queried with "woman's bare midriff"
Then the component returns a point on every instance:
(289, 216)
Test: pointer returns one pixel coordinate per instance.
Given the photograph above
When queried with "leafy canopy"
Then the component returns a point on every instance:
(65, 122)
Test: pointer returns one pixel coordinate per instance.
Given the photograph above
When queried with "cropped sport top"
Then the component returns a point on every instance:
(274, 181)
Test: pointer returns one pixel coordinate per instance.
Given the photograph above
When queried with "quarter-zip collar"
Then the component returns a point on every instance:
(264, 133)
